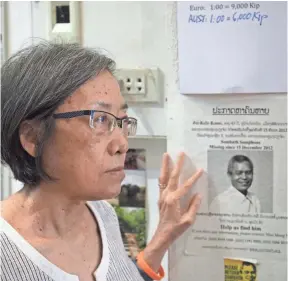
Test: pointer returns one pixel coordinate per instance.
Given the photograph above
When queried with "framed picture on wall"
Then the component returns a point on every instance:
(130, 205)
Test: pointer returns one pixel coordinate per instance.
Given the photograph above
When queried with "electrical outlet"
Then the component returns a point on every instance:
(132, 81)
(141, 86)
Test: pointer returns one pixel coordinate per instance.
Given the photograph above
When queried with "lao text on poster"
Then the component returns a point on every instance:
(243, 149)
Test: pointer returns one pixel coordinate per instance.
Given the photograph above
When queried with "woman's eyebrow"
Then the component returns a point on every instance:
(108, 106)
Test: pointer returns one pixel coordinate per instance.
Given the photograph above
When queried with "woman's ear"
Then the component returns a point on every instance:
(28, 134)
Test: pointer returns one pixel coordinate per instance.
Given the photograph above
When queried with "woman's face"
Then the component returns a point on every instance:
(82, 157)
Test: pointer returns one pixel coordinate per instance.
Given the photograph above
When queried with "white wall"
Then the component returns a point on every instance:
(132, 33)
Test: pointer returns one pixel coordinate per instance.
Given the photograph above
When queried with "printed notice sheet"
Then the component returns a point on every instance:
(223, 46)
(242, 146)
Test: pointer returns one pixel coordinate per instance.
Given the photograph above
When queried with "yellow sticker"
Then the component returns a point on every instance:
(240, 269)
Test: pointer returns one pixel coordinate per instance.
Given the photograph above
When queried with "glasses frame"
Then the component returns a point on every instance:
(118, 121)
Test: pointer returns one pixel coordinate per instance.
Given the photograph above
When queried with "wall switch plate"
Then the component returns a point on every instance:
(65, 21)
(142, 85)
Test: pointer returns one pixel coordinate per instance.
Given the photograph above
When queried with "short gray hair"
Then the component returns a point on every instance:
(238, 159)
(34, 82)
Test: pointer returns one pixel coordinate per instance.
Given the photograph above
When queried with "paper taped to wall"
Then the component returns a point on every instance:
(243, 148)
(223, 46)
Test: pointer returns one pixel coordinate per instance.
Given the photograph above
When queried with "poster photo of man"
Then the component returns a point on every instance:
(240, 181)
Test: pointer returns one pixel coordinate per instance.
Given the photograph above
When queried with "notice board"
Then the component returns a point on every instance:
(241, 226)
(232, 47)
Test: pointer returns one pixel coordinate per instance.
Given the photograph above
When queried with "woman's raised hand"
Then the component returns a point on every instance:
(175, 220)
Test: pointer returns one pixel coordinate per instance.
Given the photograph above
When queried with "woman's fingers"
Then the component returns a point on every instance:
(188, 184)
(164, 173)
(195, 204)
(190, 215)
(175, 174)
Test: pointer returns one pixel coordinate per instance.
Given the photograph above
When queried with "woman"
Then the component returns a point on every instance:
(64, 135)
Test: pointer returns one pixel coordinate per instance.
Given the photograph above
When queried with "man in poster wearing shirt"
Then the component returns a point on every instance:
(237, 198)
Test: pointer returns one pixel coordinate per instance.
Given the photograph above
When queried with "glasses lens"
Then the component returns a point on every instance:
(103, 122)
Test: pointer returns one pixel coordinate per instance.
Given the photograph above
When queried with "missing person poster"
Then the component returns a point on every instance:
(242, 145)
(240, 269)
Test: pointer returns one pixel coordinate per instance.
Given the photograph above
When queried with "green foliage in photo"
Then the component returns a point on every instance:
(134, 222)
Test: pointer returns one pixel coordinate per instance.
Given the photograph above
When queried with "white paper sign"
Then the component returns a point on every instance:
(242, 147)
(232, 47)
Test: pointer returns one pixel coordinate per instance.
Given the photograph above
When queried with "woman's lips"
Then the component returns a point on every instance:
(116, 169)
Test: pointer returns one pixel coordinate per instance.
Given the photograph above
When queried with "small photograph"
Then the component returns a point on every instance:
(240, 181)
(130, 205)
(133, 189)
(132, 223)
(135, 159)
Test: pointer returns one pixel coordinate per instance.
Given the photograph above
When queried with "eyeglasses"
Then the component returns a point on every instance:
(103, 121)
